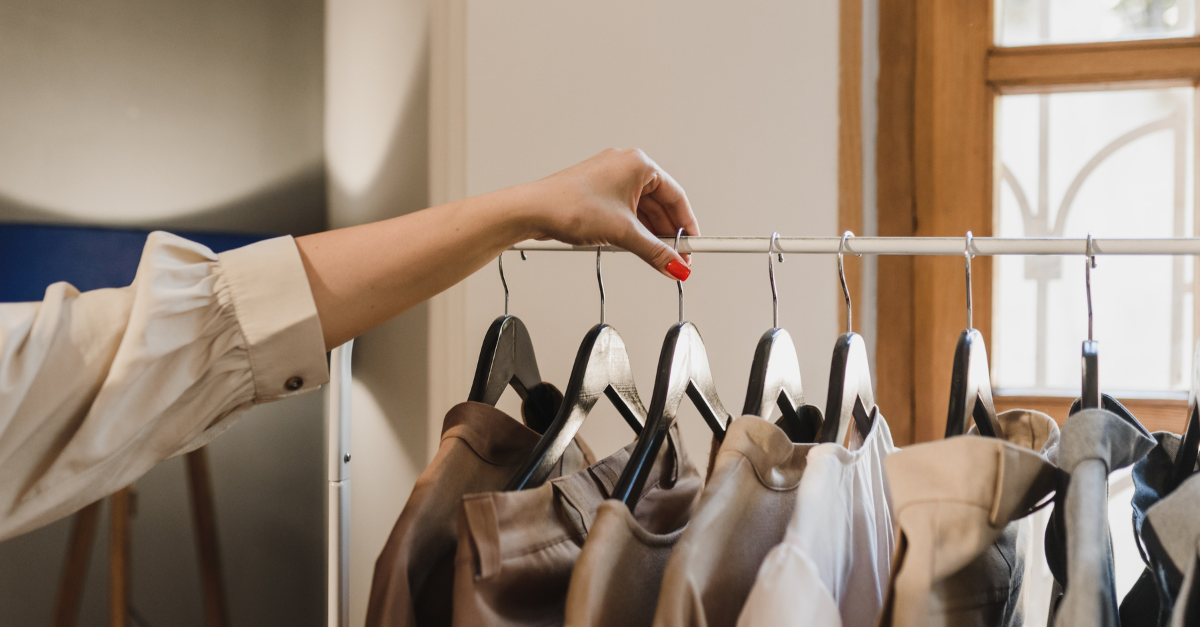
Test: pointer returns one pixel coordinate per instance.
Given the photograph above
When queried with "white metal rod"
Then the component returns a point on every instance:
(913, 245)
(337, 477)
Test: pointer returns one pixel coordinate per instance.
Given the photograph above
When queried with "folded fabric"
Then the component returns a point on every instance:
(1094, 442)
(1149, 602)
(959, 559)
(516, 550)
(480, 449)
(1187, 606)
(835, 560)
(743, 513)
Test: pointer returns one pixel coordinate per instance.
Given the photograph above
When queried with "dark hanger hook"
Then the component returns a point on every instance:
(967, 256)
(1088, 264)
(600, 280)
(500, 262)
(771, 274)
(679, 284)
(842, 276)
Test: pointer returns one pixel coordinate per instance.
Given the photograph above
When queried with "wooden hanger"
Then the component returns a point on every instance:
(601, 368)
(851, 398)
(971, 381)
(507, 358)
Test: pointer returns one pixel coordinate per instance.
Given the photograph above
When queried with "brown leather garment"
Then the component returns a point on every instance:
(517, 550)
(481, 448)
(743, 513)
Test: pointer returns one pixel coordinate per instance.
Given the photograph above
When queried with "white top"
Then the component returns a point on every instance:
(96, 388)
(833, 565)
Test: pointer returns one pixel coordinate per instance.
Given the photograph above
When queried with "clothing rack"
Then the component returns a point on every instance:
(910, 245)
(337, 415)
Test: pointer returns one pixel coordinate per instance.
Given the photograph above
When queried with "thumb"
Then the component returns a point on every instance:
(641, 242)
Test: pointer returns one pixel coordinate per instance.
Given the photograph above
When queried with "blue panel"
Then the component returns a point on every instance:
(35, 256)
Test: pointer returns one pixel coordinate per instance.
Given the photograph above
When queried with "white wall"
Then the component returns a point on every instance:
(737, 100)
(184, 115)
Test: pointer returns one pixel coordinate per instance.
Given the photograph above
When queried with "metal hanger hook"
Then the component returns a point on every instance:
(842, 276)
(500, 262)
(967, 257)
(679, 284)
(771, 274)
(1088, 264)
(600, 281)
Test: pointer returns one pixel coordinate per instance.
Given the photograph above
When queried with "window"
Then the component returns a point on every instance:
(1117, 164)
(1036, 118)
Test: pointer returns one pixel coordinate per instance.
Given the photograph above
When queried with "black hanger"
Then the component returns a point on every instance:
(1090, 399)
(506, 359)
(601, 367)
(971, 381)
(775, 375)
(682, 367)
(851, 398)
(1185, 459)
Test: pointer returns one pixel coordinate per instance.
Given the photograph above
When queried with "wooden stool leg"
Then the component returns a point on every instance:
(121, 503)
(204, 514)
(79, 553)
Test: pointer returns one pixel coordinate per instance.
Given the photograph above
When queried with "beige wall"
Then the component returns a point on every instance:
(183, 115)
(736, 100)
(376, 130)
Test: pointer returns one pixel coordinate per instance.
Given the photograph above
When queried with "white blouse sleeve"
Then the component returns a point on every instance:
(98, 387)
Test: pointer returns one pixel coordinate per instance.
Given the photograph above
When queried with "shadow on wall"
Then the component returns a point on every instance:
(377, 138)
(294, 206)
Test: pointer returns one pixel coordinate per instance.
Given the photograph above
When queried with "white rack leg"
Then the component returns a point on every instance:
(337, 499)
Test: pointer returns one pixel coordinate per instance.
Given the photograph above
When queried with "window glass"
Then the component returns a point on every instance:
(1032, 22)
(1117, 164)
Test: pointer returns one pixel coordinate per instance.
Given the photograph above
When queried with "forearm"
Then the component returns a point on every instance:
(363, 276)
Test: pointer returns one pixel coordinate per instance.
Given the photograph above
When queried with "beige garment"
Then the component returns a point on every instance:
(480, 449)
(957, 562)
(619, 572)
(743, 513)
(516, 550)
(99, 387)
(832, 568)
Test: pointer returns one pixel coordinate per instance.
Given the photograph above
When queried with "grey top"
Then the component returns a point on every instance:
(1093, 443)
(1187, 607)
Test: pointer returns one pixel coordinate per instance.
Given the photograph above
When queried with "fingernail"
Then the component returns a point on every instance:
(678, 270)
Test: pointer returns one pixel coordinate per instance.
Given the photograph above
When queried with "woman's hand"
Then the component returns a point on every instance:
(364, 275)
(619, 198)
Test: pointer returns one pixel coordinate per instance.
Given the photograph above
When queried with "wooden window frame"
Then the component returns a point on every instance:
(939, 77)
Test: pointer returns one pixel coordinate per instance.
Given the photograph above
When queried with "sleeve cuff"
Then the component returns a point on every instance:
(273, 302)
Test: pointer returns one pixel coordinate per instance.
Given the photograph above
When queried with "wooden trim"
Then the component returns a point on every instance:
(450, 362)
(850, 163)
(119, 571)
(1154, 414)
(75, 567)
(896, 215)
(204, 517)
(952, 147)
(1109, 62)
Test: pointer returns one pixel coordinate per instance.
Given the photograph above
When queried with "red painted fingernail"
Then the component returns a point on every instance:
(678, 270)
